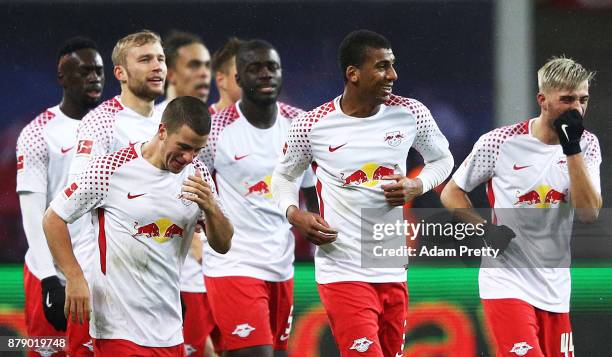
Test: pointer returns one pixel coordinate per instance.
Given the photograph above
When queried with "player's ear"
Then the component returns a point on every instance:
(352, 74)
(162, 131)
(120, 73)
(170, 76)
(238, 80)
(541, 98)
(219, 79)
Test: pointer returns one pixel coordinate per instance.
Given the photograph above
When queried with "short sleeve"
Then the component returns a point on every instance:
(33, 156)
(479, 166)
(429, 140)
(592, 159)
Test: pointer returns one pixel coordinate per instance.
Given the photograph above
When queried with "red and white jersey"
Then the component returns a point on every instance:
(143, 229)
(108, 128)
(192, 279)
(350, 156)
(44, 151)
(522, 172)
(242, 158)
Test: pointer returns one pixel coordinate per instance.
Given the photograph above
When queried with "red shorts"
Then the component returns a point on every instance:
(198, 322)
(125, 348)
(251, 312)
(79, 343)
(367, 319)
(36, 322)
(520, 329)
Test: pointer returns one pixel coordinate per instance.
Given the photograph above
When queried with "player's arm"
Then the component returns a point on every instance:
(294, 161)
(77, 291)
(219, 230)
(585, 197)
(309, 192)
(433, 147)
(196, 247)
(85, 193)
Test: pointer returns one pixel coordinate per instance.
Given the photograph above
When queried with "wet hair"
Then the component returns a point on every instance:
(132, 40)
(74, 44)
(562, 73)
(249, 46)
(222, 56)
(352, 50)
(174, 41)
(187, 110)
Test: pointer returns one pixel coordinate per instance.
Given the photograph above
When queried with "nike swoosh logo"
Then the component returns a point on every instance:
(399, 354)
(516, 167)
(66, 150)
(284, 337)
(563, 127)
(48, 302)
(130, 196)
(332, 149)
(236, 157)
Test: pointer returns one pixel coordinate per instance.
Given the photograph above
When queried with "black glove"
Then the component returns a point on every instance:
(53, 299)
(569, 128)
(497, 237)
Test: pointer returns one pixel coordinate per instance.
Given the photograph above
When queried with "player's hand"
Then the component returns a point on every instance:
(53, 298)
(569, 128)
(197, 190)
(497, 237)
(312, 226)
(401, 191)
(77, 304)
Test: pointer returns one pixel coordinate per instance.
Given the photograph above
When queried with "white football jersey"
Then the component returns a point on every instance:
(522, 172)
(107, 128)
(242, 159)
(143, 231)
(44, 151)
(350, 156)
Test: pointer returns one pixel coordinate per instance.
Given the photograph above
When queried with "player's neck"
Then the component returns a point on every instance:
(141, 106)
(224, 102)
(259, 115)
(354, 105)
(72, 109)
(150, 153)
(542, 130)
(171, 93)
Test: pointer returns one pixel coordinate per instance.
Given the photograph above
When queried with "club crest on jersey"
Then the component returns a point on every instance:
(70, 189)
(520, 348)
(161, 231)
(261, 187)
(84, 147)
(20, 163)
(361, 344)
(394, 138)
(243, 330)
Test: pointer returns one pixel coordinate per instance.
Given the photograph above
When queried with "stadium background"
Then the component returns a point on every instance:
(472, 63)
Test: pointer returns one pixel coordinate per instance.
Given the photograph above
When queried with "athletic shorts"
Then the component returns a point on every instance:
(79, 343)
(251, 312)
(520, 329)
(124, 348)
(367, 319)
(198, 322)
(36, 322)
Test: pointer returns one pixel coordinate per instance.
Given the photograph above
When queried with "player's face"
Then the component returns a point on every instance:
(376, 75)
(181, 147)
(82, 76)
(261, 77)
(555, 101)
(146, 70)
(191, 73)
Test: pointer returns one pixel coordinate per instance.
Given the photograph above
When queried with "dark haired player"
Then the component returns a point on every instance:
(44, 151)
(358, 144)
(142, 201)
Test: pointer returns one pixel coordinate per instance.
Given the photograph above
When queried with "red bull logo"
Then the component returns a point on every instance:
(542, 197)
(161, 231)
(261, 187)
(368, 175)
